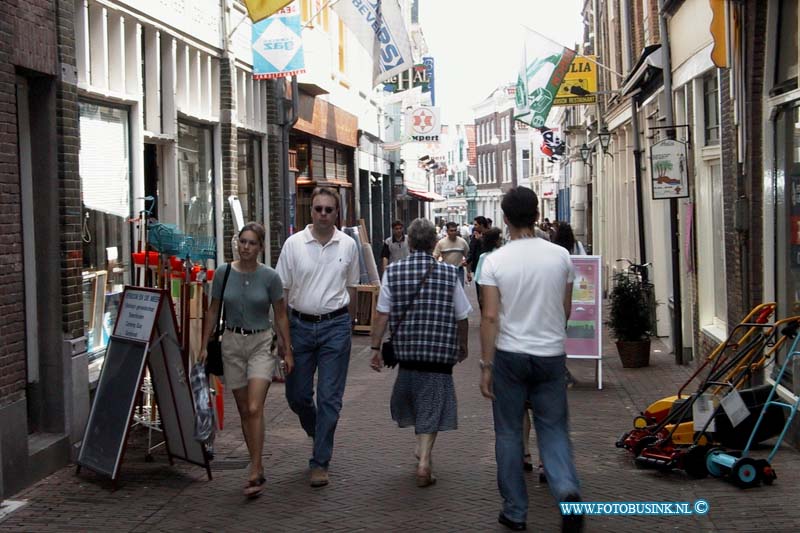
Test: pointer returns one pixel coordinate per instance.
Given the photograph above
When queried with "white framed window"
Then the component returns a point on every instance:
(713, 295)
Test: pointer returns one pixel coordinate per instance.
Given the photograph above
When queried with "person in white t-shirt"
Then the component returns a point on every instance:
(526, 290)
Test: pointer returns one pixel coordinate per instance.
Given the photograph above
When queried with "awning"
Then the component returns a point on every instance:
(643, 71)
(425, 196)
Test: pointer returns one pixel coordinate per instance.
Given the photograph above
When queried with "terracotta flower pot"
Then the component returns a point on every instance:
(634, 354)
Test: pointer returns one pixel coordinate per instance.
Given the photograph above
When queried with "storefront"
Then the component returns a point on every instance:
(324, 139)
(781, 157)
(171, 125)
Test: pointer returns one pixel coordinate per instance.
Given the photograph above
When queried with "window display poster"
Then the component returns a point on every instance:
(138, 313)
(584, 326)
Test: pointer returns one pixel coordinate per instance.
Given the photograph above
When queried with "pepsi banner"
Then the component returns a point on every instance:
(378, 25)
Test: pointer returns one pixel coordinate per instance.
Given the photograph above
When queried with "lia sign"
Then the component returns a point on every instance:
(423, 124)
(669, 178)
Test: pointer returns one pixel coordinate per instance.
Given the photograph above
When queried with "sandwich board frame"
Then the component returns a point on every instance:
(146, 332)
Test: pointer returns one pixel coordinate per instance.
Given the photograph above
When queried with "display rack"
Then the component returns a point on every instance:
(147, 415)
(366, 308)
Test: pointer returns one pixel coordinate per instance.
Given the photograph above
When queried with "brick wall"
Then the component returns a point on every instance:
(229, 140)
(27, 39)
(274, 212)
(67, 120)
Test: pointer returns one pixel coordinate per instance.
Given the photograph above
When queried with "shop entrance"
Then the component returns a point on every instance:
(151, 176)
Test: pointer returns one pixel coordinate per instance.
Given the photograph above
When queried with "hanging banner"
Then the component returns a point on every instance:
(580, 83)
(278, 45)
(543, 67)
(423, 124)
(669, 172)
(378, 25)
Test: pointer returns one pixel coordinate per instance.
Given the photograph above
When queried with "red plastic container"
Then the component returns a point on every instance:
(210, 274)
(138, 258)
(175, 263)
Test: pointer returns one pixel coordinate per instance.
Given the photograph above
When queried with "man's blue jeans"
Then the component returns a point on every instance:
(322, 347)
(540, 380)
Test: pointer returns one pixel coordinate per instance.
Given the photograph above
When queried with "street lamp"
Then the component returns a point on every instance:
(605, 139)
(585, 153)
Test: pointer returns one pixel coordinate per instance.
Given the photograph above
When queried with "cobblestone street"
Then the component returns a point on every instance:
(372, 474)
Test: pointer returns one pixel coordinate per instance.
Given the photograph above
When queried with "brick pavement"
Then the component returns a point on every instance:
(372, 473)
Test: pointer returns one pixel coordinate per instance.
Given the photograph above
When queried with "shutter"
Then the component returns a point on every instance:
(103, 162)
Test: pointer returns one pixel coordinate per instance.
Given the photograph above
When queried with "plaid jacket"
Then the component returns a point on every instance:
(428, 332)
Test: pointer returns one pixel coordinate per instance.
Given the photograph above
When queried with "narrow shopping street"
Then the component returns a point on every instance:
(372, 474)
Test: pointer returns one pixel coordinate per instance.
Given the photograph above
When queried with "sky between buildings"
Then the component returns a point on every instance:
(477, 44)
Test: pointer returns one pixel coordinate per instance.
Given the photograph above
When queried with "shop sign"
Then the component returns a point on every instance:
(580, 83)
(584, 327)
(423, 124)
(278, 45)
(669, 176)
(449, 188)
(408, 79)
(471, 190)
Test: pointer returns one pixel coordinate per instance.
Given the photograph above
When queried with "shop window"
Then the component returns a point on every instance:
(711, 108)
(302, 159)
(196, 178)
(317, 162)
(104, 167)
(787, 220)
(330, 163)
(786, 54)
(249, 173)
(341, 165)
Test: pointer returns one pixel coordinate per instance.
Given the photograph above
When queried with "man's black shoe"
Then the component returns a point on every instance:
(510, 524)
(572, 523)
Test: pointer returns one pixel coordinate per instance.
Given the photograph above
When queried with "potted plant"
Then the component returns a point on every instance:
(629, 320)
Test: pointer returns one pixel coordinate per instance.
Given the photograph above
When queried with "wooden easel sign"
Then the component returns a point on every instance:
(145, 333)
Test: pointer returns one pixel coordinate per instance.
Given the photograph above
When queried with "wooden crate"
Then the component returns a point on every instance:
(366, 303)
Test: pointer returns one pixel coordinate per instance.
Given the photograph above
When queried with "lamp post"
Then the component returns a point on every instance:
(585, 153)
(605, 139)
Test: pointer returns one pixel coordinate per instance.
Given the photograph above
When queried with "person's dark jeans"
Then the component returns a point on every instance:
(539, 380)
(322, 347)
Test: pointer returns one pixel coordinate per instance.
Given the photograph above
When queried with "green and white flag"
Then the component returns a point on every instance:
(544, 65)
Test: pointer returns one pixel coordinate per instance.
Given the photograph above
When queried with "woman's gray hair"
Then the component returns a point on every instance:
(421, 235)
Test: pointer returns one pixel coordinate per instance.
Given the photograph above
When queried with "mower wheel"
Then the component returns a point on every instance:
(745, 472)
(694, 462)
(766, 471)
(712, 467)
(621, 440)
(640, 422)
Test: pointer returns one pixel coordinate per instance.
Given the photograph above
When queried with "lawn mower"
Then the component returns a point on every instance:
(658, 410)
(675, 442)
(739, 467)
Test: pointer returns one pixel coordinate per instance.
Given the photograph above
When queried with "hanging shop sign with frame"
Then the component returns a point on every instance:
(580, 83)
(669, 170)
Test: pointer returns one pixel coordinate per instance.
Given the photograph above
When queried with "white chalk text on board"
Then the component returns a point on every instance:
(137, 315)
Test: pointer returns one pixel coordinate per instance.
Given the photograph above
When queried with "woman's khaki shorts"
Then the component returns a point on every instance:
(246, 357)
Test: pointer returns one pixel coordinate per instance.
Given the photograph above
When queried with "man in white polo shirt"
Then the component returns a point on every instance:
(319, 268)
(526, 289)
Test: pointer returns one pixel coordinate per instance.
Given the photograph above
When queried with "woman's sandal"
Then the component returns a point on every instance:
(526, 462)
(255, 487)
(425, 479)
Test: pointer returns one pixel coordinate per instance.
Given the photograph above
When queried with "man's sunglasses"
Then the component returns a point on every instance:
(321, 208)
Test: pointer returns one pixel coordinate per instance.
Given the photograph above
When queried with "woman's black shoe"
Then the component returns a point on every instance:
(526, 463)
(510, 524)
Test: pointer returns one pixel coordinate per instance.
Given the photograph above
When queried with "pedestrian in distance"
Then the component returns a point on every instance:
(426, 307)
(319, 267)
(490, 241)
(395, 247)
(481, 224)
(453, 250)
(527, 290)
(248, 361)
(565, 237)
